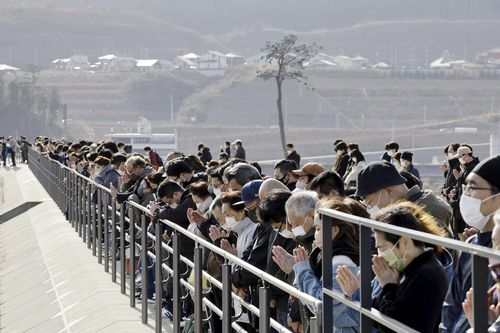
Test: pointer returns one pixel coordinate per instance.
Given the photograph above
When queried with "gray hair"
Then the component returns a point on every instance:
(302, 203)
(242, 173)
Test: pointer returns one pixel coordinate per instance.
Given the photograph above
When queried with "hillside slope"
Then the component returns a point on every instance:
(38, 34)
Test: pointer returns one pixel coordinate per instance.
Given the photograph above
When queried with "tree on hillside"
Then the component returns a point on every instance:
(285, 60)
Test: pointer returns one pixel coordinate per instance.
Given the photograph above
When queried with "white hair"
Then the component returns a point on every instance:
(302, 203)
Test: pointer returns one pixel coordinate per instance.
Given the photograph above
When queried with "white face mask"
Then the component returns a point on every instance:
(287, 234)
(354, 160)
(173, 205)
(203, 206)
(405, 164)
(451, 155)
(299, 231)
(300, 185)
(217, 191)
(230, 223)
(120, 172)
(375, 208)
(471, 213)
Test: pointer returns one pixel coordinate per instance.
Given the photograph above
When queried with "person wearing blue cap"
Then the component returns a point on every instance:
(256, 252)
(380, 184)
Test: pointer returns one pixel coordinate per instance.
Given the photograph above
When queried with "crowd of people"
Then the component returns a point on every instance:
(10, 148)
(272, 222)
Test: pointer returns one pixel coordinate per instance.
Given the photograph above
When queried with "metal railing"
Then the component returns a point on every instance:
(96, 220)
(95, 216)
(480, 271)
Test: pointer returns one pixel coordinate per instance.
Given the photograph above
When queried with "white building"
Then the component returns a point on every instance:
(182, 63)
(213, 60)
(8, 71)
(75, 62)
(113, 63)
(145, 65)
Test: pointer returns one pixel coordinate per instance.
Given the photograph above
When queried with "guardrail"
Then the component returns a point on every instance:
(96, 220)
(480, 271)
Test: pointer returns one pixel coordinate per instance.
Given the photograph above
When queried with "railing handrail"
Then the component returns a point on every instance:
(479, 250)
(306, 298)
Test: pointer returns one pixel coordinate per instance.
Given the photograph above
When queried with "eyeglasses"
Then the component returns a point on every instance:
(466, 189)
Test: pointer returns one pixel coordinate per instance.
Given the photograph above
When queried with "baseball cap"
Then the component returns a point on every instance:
(310, 168)
(250, 191)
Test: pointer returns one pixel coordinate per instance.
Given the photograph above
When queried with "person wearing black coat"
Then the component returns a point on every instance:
(342, 160)
(293, 155)
(204, 154)
(413, 281)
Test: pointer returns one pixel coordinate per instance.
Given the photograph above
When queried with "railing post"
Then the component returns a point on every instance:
(265, 313)
(365, 263)
(176, 267)
(79, 205)
(132, 259)
(113, 240)
(71, 199)
(480, 286)
(89, 216)
(122, 251)
(105, 206)
(94, 228)
(144, 269)
(99, 226)
(327, 270)
(226, 298)
(158, 277)
(198, 290)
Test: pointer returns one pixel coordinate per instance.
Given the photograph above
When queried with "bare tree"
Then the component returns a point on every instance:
(286, 61)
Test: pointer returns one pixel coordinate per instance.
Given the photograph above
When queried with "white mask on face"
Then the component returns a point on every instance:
(299, 231)
(120, 172)
(287, 234)
(300, 185)
(451, 155)
(405, 164)
(217, 191)
(318, 239)
(375, 208)
(203, 206)
(471, 212)
(230, 223)
(354, 160)
(462, 160)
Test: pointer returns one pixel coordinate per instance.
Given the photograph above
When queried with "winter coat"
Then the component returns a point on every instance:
(412, 301)
(240, 153)
(178, 215)
(205, 156)
(341, 163)
(453, 318)
(294, 156)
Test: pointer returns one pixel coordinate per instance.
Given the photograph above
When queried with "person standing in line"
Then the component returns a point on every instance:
(292, 154)
(11, 149)
(240, 151)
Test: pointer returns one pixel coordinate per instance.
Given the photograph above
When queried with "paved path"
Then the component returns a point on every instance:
(49, 280)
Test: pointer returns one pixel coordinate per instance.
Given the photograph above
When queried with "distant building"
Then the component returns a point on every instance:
(8, 71)
(182, 63)
(490, 57)
(113, 63)
(145, 65)
(234, 59)
(321, 60)
(213, 60)
(75, 62)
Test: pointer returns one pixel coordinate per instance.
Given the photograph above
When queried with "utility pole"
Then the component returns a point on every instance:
(171, 109)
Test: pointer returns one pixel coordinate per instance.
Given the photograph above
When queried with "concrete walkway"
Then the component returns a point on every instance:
(49, 280)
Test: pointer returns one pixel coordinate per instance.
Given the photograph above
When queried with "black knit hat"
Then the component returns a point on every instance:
(489, 169)
(377, 176)
(406, 155)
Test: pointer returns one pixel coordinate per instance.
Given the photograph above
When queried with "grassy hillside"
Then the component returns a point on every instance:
(38, 34)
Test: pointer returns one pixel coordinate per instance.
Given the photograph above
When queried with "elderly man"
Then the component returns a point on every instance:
(380, 184)
(240, 174)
